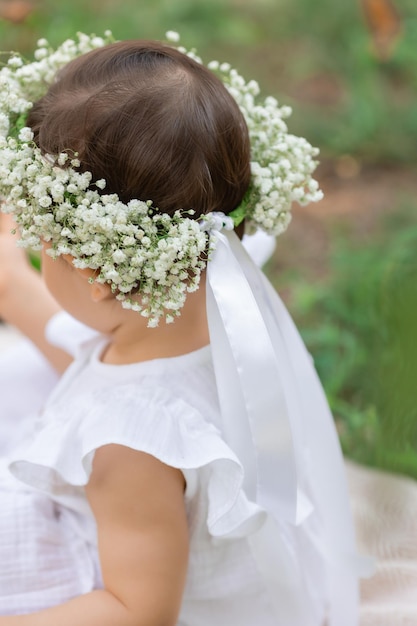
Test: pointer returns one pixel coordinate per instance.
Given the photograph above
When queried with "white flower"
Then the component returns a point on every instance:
(45, 201)
(41, 53)
(100, 183)
(15, 61)
(62, 158)
(118, 256)
(225, 67)
(172, 36)
(133, 245)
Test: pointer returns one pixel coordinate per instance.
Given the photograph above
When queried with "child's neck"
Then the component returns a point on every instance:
(131, 341)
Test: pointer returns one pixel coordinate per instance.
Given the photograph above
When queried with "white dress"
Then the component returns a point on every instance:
(167, 408)
(47, 550)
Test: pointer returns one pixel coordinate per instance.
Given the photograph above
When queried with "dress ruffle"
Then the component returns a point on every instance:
(157, 423)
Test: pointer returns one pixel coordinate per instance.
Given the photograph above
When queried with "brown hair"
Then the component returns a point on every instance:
(155, 124)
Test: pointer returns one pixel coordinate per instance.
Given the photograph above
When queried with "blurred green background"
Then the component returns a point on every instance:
(347, 268)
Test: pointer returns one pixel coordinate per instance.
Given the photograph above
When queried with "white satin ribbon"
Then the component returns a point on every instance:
(254, 408)
(273, 410)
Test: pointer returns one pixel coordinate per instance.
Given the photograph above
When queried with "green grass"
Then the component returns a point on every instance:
(360, 325)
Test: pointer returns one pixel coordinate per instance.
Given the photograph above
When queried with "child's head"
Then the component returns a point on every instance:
(154, 123)
(166, 139)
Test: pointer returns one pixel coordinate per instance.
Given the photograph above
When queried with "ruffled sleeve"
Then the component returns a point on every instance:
(59, 460)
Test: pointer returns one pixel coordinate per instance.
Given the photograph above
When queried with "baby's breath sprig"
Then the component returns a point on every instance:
(150, 259)
(282, 164)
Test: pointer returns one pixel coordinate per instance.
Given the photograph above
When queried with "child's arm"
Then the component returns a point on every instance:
(138, 503)
(25, 301)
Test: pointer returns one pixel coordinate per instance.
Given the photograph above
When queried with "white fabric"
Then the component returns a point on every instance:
(259, 246)
(43, 560)
(268, 388)
(168, 408)
(25, 380)
(384, 506)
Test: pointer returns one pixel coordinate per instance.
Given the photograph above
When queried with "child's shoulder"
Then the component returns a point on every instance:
(162, 408)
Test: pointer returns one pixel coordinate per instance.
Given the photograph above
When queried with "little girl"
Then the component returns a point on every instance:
(185, 468)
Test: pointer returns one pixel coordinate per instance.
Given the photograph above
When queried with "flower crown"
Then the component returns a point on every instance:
(132, 246)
